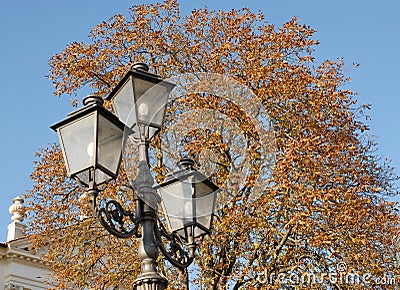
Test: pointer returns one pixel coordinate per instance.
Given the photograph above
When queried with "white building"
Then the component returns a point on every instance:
(19, 269)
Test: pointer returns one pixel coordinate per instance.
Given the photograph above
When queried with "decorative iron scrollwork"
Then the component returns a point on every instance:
(113, 218)
(173, 247)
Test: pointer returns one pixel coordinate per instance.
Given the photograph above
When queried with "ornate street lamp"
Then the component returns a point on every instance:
(188, 201)
(92, 141)
(140, 100)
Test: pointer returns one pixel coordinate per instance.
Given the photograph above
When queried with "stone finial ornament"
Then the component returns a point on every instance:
(16, 229)
(17, 209)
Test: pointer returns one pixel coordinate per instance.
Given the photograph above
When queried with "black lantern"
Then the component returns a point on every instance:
(188, 201)
(140, 100)
(91, 140)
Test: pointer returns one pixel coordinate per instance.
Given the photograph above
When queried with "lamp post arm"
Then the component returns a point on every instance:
(113, 217)
(173, 248)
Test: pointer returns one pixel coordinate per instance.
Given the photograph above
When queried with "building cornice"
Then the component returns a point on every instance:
(12, 253)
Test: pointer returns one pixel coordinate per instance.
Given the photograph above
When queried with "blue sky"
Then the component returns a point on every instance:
(364, 32)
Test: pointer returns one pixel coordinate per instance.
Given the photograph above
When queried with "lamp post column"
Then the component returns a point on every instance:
(149, 278)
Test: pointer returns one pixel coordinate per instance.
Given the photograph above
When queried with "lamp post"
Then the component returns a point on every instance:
(92, 140)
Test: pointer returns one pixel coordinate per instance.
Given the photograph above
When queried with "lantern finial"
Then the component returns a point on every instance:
(186, 163)
(140, 66)
(93, 99)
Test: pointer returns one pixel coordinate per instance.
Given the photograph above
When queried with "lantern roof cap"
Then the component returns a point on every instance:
(91, 103)
(138, 70)
(186, 170)
(186, 163)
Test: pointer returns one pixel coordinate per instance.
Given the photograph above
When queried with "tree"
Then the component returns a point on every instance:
(323, 205)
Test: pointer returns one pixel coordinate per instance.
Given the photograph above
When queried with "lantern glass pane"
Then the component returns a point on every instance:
(78, 143)
(204, 211)
(123, 104)
(199, 232)
(109, 148)
(177, 204)
(152, 131)
(149, 132)
(203, 187)
(151, 101)
(100, 177)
